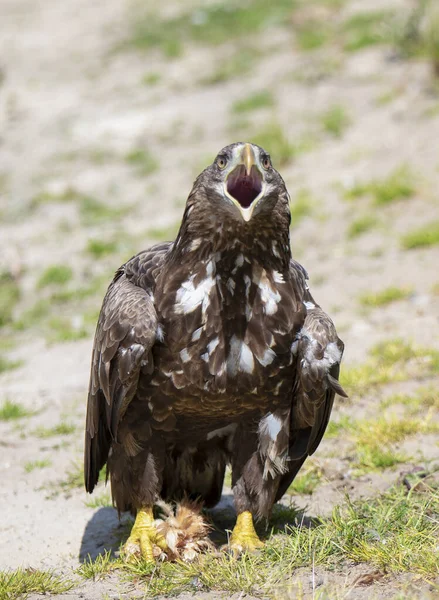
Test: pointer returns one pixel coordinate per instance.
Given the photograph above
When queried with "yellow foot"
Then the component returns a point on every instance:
(244, 537)
(144, 540)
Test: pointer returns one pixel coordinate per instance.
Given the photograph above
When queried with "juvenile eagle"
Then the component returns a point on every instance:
(210, 350)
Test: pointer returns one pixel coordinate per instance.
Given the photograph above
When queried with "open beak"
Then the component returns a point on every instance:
(244, 184)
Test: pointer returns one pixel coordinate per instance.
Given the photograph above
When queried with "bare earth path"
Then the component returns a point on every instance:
(99, 144)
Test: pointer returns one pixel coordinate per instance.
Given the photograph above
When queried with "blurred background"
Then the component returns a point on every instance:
(109, 110)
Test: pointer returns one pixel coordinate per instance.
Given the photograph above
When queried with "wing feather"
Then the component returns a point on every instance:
(318, 352)
(125, 335)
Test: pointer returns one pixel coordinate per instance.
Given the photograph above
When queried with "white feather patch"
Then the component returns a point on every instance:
(267, 358)
(190, 297)
(271, 426)
(240, 357)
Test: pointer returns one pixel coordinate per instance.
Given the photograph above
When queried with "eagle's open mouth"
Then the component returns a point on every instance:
(244, 188)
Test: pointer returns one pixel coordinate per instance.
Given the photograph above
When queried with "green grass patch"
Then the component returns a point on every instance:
(9, 296)
(208, 25)
(398, 185)
(238, 65)
(99, 501)
(423, 237)
(335, 120)
(416, 34)
(100, 248)
(162, 234)
(9, 411)
(257, 100)
(60, 429)
(390, 361)
(151, 79)
(32, 465)
(144, 162)
(73, 479)
(361, 225)
(274, 140)
(20, 583)
(302, 206)
(394, 532)
(8, 365)
(66, 330)
(312, 34)
(32, 316)
(365, 29)
(93, 212)
(55, 275)
(387, 296)
(306, 482)
(424, 399)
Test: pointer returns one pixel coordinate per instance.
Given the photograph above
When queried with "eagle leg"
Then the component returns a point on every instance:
(244, 537)
(144, 539)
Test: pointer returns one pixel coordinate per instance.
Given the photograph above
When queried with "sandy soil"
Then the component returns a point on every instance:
(72, 106)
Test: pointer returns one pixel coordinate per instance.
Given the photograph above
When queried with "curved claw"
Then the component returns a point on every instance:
(144, 540)
(244, 537)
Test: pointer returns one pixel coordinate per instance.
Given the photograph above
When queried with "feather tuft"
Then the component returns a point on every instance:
(184, 529)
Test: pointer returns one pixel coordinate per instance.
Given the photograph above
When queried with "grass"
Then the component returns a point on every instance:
(424, 399)
(20, 583)
(386, 296)
(423, 237)
(335, 120)
(274, 140)
(417, 33)
(55, 275)
(9, 296)
(210, 24)
(98, 501)
(162, 234)
(398, 185)
(375, 439)
(301, 207)
(395, 532)
(312, 34)
(93, 212)
(33, 315)
(10, 410)
(306, 482)
(239, 64)
(144, 162)
(32, 465)
(365, 29)
(151, 79)
(8, 365)
(390, 361)
(99, 248)
(60, 429)
(74, 479)
(257, 100)
(361, 225)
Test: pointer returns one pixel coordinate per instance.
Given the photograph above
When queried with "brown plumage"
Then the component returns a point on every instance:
(210, 350)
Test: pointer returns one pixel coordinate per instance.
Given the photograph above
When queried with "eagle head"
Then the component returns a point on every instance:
(242, 182)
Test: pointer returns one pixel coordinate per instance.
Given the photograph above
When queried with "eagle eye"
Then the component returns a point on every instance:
(266, 162)
(221, 162)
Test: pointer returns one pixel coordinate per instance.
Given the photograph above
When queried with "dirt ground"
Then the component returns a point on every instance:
(85, 116)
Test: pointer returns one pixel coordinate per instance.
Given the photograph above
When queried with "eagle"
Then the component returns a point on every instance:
(211, 351)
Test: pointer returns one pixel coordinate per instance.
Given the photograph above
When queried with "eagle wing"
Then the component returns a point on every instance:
(318, 350)
(125, 334)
